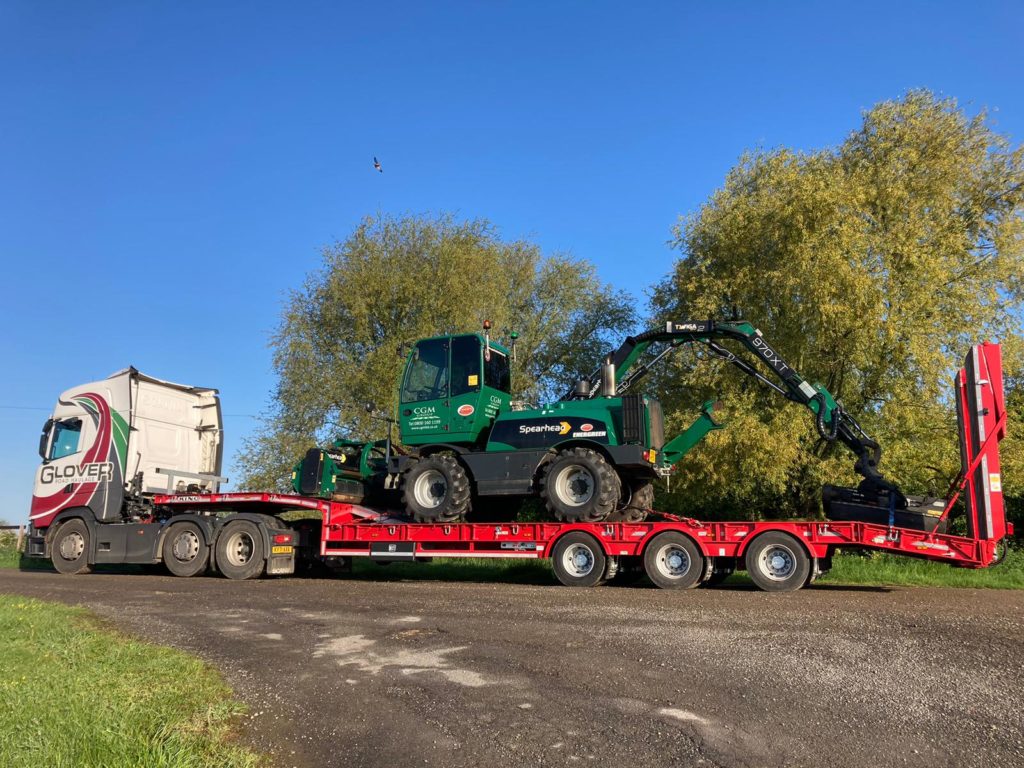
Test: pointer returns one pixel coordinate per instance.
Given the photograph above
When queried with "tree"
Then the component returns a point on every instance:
(395, 280)
(871, 267)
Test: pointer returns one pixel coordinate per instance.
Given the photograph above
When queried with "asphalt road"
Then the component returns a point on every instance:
(400, 673)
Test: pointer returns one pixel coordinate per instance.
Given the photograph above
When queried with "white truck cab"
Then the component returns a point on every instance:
(127, 435)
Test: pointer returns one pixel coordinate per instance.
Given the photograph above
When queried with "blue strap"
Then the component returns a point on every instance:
(892, 509)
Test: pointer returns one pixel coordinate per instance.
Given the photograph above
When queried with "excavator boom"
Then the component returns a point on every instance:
(832, 422)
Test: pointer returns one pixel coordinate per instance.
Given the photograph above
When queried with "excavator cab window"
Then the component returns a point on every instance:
(427, 378)
(496, 371)
(465, 365)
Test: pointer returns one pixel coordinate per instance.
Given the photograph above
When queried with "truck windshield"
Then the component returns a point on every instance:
(65, 438)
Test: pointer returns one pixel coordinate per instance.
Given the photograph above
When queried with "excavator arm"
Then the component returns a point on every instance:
(624, 368)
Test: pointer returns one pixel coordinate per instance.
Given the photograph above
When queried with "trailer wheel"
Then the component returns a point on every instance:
(641, 501)
(436, 490)
(240, 552)
(777, 562)
(578, 560)
(185, 551)
(69, 550)
(579, 486)
(673, 561)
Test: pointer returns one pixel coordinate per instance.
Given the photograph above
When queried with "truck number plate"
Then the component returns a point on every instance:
(281, 550)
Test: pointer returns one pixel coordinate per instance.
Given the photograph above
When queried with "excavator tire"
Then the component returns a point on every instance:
(579, 486)
(641, 501)
(436, 490)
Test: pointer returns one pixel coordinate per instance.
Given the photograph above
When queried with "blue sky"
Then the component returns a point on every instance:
(169, 171)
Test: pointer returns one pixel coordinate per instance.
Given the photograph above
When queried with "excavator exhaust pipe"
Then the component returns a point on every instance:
(608, 378)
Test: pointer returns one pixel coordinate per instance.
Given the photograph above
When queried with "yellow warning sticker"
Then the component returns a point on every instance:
(995, 484)
(473, 380)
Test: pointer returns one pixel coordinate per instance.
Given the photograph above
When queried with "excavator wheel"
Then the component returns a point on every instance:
(436, 490)
(635, 509)
(579, 486)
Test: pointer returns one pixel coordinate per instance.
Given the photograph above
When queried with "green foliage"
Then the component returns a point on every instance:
(398, 279)
(76, 695)
(871, 268)
(875, 567)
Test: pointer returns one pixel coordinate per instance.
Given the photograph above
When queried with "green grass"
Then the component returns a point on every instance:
(75, 694)
(881, 568)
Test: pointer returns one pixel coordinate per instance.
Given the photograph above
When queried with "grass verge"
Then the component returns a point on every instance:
(76, 694)
(881, 568)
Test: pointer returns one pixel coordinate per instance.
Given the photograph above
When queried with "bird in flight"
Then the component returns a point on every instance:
(377, 165)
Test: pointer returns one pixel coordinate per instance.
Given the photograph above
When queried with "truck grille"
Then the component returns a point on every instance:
(633, 419)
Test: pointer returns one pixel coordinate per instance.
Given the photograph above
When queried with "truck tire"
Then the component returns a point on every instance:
(777, 562)
(69, 550)
(185, 551)
(578, 560)
(579, 486)
(240, 551)
(436, 490)
(673, 561)
(641, 501)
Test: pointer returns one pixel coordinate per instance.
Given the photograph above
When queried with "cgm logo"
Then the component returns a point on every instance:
(466, 410)
(100, 472)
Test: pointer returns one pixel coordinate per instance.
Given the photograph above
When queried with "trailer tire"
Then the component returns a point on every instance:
(240, 551)
(673, 561)
(69, 551)
(436, 490)
(185, 551)
(578, 560)
(579, 486)
(777, 562)
(641, 501)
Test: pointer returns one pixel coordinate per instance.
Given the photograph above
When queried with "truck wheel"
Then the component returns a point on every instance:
(240, 552)
(436, 490)
(185, 551)
(69, 550)
(578, 486)
(673, 561)
(641, 500)
(578, 560)
(777, 562)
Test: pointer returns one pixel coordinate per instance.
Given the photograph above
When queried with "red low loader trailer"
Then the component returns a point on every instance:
(674, 552)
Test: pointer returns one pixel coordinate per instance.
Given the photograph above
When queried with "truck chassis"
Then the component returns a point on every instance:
(674, 552)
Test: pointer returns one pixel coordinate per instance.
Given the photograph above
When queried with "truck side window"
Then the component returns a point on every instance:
(496, 373)
(465, 365)
(65, 438)
(428, 375)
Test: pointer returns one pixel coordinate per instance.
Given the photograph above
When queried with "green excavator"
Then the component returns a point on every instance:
(592, 456)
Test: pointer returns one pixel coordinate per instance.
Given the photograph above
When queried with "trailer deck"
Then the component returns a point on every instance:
(678, 552)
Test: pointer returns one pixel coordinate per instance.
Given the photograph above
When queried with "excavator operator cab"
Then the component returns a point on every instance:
(452, 390)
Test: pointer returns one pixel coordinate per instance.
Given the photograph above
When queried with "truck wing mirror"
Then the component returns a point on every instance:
(44, 438)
